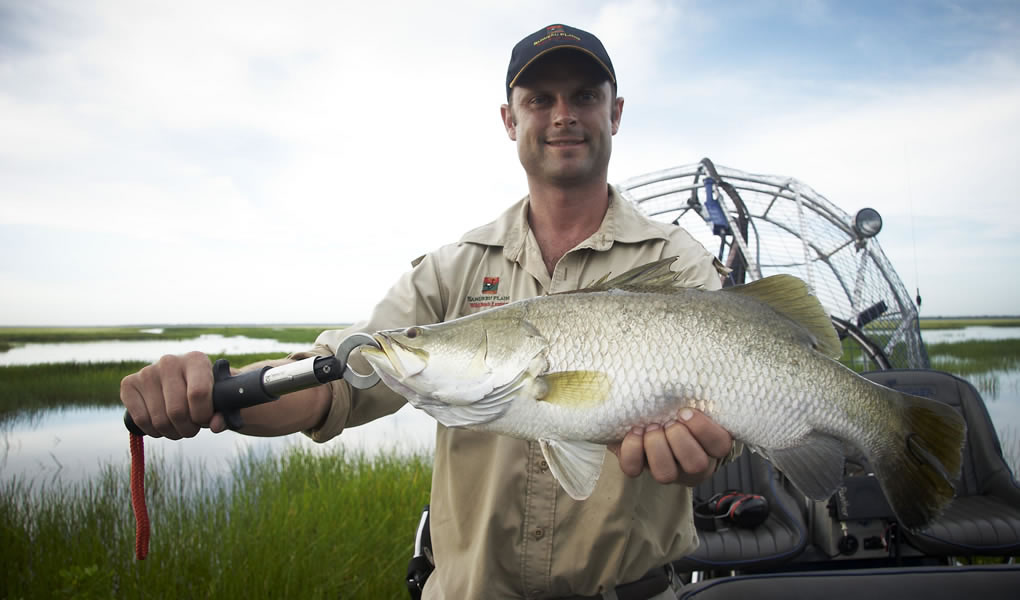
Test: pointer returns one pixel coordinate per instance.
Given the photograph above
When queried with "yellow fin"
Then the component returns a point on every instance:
(576, 389)
(789, 296)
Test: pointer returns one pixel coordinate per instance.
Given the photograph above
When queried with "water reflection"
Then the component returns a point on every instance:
(146, 350)
(984, 333)
(73, 445)
(1001, 393)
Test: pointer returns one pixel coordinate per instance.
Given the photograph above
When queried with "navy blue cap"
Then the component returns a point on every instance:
(555, 37)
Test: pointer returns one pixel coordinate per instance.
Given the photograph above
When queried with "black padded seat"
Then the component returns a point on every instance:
(984, 518)
(987, 582)
(781, 538)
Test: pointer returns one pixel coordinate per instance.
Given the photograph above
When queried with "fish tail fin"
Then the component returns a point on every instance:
(917, 466)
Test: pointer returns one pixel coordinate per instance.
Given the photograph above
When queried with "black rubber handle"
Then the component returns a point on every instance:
(230, 394)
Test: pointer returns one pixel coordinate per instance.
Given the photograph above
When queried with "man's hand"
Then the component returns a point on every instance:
(686, 450)
(172, 397)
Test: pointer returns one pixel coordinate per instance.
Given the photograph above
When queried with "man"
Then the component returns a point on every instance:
(501, 525)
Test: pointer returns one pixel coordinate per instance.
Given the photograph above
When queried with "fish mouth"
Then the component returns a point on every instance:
(382, 355)
(396, 359)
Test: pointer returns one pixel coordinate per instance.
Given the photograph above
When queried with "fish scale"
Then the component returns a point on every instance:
(707, 373)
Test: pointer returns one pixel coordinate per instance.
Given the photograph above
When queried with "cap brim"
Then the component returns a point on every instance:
(562, 47)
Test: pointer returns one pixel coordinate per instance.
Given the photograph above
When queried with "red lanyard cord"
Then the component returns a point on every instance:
(138, 497)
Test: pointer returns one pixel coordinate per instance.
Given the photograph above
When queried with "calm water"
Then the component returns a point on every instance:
(999, 389)
(150, 350)
(72, 445)
(970, 333)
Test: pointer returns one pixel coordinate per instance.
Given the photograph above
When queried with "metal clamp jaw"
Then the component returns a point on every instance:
(343, 354)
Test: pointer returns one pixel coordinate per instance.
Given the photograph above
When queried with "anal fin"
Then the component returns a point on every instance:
(815, 466)
(576, 465)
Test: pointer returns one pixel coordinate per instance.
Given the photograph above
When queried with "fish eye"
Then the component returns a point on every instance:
(412, 332)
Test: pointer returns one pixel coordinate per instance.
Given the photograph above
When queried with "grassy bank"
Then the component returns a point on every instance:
(953, 323)
(299, 525)
(33, 388)
(975, 357)
(283, 333)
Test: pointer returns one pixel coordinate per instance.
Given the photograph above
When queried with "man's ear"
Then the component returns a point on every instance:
(616, 114)
(508, 121)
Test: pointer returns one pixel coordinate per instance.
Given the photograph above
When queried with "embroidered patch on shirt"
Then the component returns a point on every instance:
(490, 297)
(490, 285)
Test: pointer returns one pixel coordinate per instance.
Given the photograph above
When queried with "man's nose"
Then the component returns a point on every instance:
(563, 113)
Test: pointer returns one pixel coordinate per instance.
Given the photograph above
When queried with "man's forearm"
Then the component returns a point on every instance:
(292, 413)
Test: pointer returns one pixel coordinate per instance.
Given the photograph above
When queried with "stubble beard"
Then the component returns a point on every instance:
(566, 171)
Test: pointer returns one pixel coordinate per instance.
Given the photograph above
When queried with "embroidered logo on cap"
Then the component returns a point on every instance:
(556, 31)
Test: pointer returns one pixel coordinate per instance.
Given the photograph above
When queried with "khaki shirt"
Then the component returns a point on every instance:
(501, 525)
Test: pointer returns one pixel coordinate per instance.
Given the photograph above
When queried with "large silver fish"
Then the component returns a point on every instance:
(576, 371)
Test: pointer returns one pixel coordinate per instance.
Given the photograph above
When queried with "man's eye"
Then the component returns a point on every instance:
(587, 96)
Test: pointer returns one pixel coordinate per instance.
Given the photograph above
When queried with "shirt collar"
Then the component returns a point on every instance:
(622, 223)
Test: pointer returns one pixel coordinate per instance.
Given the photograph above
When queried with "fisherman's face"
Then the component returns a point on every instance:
(563, 113)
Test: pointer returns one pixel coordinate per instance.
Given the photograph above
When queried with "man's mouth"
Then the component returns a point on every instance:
(565, 141)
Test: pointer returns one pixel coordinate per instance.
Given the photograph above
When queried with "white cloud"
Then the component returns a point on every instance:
(317, 148)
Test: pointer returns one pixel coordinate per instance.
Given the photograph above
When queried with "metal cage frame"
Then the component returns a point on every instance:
(771, 224)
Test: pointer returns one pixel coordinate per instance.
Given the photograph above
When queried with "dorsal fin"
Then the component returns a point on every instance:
(785, 294)
(789, 296)
(650, 277)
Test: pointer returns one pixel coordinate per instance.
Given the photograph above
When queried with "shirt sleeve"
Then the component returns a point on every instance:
(696, 266)
(415, 299)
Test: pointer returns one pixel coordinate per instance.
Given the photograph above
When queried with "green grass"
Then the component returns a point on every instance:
(21, 335)
(286, 334)
(29, 389)
(296, 525)
(975, 357)
(283, 333)
(929, 323)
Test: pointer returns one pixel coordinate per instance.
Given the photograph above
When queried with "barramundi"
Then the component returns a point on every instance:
(577, 370)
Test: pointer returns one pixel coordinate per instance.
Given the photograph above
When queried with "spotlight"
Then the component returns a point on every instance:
(867, 223)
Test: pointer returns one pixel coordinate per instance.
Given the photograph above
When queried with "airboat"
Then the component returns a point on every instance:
(851, 545)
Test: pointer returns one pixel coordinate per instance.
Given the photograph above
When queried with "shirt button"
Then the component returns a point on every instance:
(543, 466)
(539, 533)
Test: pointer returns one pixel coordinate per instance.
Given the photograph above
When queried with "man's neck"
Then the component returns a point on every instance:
(563, 217)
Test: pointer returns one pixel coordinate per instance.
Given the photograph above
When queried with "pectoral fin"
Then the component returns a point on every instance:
(578, 389)
(575, 464)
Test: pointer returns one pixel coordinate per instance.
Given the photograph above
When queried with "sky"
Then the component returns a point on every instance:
(266, 162)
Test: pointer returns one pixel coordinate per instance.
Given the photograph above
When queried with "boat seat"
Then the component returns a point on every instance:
(987, 582)
(782, 536)
(984, 518)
